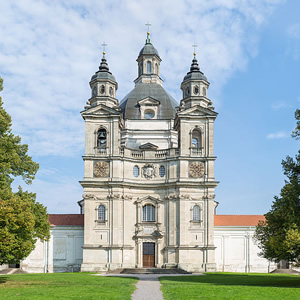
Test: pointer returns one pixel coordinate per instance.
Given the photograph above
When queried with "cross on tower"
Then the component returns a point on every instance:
(194, 48)
(103, 45)
(148, 26)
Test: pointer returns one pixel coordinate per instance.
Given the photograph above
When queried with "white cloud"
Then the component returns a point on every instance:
(50, 49)
(280, 105)
(278, 135)
(293, 31)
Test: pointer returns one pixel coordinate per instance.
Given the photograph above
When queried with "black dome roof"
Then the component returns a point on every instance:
(130, 108)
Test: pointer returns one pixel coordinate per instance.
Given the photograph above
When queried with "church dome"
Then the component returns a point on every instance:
(103, 72)
(195, 73)
(148, 49)
(130, 107)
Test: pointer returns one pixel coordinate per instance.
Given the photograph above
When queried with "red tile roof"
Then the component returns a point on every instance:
(220, 220)
(66, 219)
(238, 220)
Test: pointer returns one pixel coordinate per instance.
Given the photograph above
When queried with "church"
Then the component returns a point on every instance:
(149, 184)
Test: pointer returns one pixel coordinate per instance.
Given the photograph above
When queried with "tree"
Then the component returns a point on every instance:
(22, 219)
(279, 235)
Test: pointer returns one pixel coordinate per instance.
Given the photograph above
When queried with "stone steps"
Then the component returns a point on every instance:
(148, 271)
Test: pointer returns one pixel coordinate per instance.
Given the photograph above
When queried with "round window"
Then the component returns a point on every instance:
(149, 114)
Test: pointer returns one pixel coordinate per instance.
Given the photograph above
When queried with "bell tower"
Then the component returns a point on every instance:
(194, 123)
(103, 86)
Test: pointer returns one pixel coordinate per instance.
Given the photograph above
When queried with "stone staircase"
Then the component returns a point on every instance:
(148, 271)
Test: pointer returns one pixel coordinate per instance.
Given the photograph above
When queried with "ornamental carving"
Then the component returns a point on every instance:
(88, 196)
(148, 171)
(171, 197)
(197, 169)
(101, 169)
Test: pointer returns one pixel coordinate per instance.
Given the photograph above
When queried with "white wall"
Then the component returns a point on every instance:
(236, 250)
(63, 253)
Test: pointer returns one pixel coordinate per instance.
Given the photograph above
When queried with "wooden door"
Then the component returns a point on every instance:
(148, 255)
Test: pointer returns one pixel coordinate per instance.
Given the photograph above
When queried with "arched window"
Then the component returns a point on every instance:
(101, 139)
(149, 71)
(101, 213)
(162, 171)
(156, 69)
(136, 171)
(196, 140)
(204, 92)
(148, 213)
(196, 213)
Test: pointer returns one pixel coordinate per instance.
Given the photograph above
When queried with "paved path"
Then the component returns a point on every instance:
(148, 286)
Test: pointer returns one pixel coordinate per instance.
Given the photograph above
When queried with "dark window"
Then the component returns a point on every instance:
(101, 139)
(102, 89)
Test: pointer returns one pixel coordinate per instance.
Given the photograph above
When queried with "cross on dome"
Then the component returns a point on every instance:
(103, 45)
(194, 46)
(148, 27)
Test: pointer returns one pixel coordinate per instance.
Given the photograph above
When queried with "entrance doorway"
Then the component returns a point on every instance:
(148, 255)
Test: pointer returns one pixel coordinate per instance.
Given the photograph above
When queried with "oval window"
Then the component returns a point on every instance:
(196, 90)
(149, 114)
(102, 89)
(136, 171)
(162, 171)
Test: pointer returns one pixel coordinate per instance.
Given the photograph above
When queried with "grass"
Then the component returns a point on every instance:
(231, 286)
(65, 286)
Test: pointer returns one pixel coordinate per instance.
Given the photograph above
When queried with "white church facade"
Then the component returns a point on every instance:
(149, 184)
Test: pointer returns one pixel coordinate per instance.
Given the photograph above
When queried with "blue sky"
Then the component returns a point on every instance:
(249, 50)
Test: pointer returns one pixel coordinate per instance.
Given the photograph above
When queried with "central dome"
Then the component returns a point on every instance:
(130, 107)
(148, 49)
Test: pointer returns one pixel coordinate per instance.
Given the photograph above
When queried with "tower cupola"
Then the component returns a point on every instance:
(148, 64)
(103, 86)
(194, 87)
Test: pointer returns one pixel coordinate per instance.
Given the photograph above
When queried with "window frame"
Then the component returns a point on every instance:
(103, 213)
(196, 213)
(148, 215)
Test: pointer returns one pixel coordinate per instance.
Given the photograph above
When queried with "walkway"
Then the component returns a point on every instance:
(148, 286)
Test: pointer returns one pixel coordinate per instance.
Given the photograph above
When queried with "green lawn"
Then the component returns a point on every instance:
(65, 286)
(232, 286)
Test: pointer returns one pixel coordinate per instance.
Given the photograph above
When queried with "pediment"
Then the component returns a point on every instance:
(149, 199)
(149, 101)
(148, 146)
(100, 109)
(197, 111)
